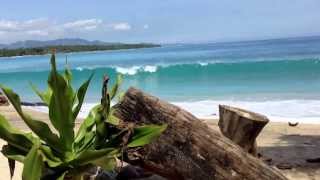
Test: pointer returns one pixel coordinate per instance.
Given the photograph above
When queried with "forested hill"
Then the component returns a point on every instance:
(70, 48)
(32, 47)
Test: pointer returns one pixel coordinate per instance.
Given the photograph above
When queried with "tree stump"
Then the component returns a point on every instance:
(241, 126)
(188, 149)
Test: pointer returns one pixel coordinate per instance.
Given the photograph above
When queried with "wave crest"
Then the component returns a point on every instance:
(135, 69)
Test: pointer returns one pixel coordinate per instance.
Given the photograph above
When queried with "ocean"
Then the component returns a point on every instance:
(278, 78)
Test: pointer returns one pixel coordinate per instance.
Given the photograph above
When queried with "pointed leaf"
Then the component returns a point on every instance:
(145, 134)
(86, 142)
(50, 157)
(80, 96)
(116, 87)
(13, 153)
(39, 128)
(67, 74)
(32, 165)
(88, 123)
(89, 156)
(44, 96)
(61, 177)
(60, 108)
(16, 138)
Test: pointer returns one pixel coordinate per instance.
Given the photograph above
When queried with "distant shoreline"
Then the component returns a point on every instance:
(21, 52)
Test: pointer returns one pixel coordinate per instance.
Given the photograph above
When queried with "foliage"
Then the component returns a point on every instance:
(99, 140)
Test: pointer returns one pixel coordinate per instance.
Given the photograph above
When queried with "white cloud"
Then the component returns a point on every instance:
(121, 26)
(8, 25)
(13, 26)
(86, 24)
(146, 26)
(43, 28)
(38, 32)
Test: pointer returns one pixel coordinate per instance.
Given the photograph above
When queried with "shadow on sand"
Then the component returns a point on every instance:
(293, 151)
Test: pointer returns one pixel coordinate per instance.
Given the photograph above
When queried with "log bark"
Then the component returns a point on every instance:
(188, 149)
(241, 126)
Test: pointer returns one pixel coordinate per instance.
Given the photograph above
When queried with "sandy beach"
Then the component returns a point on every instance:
(283, 145)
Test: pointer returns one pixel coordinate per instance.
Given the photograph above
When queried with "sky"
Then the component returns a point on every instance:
(161, 21)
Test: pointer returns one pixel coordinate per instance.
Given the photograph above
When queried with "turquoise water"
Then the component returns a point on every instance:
(280, 78)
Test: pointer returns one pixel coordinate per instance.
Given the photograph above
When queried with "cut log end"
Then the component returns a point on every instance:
(241, 126)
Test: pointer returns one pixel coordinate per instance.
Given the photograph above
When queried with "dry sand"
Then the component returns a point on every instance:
(285, 145)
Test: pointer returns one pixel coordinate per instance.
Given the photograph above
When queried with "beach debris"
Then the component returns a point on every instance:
(33, 104)
(241, 126)
(313, 160)
(284, 166)
(268, 160)
(3, 100)
(175, 155)
(293, 124)
(132, 172)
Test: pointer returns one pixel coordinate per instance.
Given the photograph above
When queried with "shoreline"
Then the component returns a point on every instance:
(213, 114)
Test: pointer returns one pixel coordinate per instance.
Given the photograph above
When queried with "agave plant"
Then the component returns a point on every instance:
(63, 151)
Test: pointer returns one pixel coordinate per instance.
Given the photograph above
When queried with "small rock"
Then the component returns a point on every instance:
(132, 172)
(313, 160)
(293, 124)
(284, 166)
(3, 100)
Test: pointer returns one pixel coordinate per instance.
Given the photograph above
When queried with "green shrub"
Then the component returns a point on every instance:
(100, 139)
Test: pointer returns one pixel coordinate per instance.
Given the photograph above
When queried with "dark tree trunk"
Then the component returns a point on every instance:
(188, 149)
(241, 126)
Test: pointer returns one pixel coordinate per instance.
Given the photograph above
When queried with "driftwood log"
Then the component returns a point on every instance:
(188, 149)
(241, 126)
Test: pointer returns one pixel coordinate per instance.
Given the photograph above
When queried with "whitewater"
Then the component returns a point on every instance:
(277, 78)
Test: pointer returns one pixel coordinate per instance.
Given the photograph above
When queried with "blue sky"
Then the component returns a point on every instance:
(165, 21)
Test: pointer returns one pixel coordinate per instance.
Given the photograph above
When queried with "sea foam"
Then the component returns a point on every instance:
(302, 111)
(135, 69)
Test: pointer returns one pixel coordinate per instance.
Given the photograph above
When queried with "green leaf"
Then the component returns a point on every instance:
(14, 153)
(146, 134)
(88, 123)
(61, 177)
(67, 74)
(86, 142)
(39, 128)
(111, 118)
(90, 156)
(106, 163)
(121, 96)
(80, 96)
(50, 157)
(33, 164)
(60, 108)
(44, 96)
(116, 87)
(13, 136)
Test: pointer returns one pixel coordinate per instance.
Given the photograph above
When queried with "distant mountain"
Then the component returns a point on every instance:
(56, 42)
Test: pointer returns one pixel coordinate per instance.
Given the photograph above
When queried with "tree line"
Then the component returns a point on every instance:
(70, 48)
